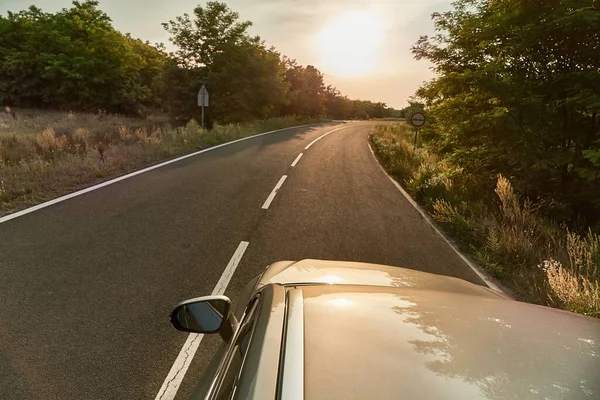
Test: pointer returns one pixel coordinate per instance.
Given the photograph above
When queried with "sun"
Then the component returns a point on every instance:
(348, 45)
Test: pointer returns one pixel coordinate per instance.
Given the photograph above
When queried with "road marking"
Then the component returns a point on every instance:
(132, 174)
(475, 269)
(335, 130)
(297, 159)
(170, 386)
(274, 192)
(322, 136)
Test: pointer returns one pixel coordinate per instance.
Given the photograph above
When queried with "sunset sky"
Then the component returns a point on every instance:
(362, 46)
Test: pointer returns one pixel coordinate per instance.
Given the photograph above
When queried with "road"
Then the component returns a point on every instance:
(87, 284)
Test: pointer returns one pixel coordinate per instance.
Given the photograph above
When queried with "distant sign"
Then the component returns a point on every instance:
(417, 119)
(203, 97)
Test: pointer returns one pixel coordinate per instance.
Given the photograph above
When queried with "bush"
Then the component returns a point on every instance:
(49, 145)
(536, 258)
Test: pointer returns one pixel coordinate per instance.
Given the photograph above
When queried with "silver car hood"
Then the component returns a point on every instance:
(385, 332)
(355, 273)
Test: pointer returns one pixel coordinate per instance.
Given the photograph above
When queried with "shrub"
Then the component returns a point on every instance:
(519, 232)
(538, 259)
(575, 292)
(13, 149)
(49, 144)
(80, 140)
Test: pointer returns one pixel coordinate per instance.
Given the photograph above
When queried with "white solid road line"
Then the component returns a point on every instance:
(170, 386)
(297, 159)
(131, 175)
(274, 192)
(322, 136)
(475, 269)
(335, 130)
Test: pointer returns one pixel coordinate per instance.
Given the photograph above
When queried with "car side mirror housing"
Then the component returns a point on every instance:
(210, 314)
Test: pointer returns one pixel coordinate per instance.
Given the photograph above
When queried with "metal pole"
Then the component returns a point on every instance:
(203, 116)
(416, 133)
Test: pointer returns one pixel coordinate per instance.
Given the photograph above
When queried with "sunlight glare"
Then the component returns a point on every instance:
(340, 302)
(348, 45)
(331, 279)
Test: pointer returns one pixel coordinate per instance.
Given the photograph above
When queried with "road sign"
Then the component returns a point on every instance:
(417, 119)
(203, 101)
(203, 97)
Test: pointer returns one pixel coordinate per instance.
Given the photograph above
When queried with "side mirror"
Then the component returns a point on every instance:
(201, 315)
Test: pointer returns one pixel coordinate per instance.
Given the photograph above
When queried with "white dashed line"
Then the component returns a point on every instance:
(131, 175)
(274, 192)
(297, 159)
(169, 388)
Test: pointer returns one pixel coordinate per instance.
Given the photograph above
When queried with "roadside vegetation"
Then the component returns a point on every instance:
(76, 60)
(81, 102)
(508, 162)
(539, 259)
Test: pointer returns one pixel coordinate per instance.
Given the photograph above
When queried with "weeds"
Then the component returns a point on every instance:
(575, 292)
(538, 259)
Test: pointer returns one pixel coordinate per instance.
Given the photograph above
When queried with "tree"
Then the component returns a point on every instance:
(74, 59)
(413, 106)
(244, 77)
(518, 93)
(337, 106)
(306, 93)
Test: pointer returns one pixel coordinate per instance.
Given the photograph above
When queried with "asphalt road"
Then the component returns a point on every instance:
(86, 285)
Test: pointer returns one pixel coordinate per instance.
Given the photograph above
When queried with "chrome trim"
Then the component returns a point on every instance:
(260, 378)
(292, 382)
(223, 367)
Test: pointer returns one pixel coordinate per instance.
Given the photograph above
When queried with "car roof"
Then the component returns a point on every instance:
(386, 342)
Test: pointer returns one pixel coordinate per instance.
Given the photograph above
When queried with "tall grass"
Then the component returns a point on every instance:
(538, 259)
(47, 154)
(30, 122)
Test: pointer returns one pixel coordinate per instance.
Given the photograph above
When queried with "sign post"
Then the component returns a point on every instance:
(203, 101)
(417, 120)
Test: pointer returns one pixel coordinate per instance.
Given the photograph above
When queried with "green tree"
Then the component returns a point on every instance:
(518, 93)
(307, 90)
(413, 106)
(74, 59)
(244, 77)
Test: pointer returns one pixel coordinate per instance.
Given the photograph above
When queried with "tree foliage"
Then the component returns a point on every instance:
(75, 59)
(518, 93)
(243, 76)
(247, 79)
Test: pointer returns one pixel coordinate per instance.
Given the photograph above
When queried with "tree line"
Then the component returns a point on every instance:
(75, 59)
(517, 93)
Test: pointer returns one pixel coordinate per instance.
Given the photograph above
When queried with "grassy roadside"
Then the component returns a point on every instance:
(539, 260)
(44, 155)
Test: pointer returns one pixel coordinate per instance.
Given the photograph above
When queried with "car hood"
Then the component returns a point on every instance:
(385, 332)
(356, 273)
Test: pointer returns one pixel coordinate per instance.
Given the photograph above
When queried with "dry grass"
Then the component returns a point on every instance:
(30, 122)
(539, 260)
(575, 292)
(47, 154)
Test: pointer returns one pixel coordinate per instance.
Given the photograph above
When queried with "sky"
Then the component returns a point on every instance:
(361, 46)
